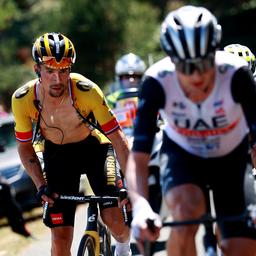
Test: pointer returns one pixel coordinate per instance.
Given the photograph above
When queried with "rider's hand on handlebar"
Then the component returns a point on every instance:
(142, 228)
(45, 194)
(123, 197)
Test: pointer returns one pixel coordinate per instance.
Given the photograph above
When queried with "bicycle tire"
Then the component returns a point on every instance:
(105, 241)
(86, 246)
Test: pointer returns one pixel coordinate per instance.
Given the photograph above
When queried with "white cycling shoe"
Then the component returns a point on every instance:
(129, 254)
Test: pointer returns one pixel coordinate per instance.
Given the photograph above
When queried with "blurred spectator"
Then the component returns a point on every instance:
(2, 111)
(12, 210)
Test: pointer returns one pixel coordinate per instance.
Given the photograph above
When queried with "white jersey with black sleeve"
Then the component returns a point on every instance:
(212, 128)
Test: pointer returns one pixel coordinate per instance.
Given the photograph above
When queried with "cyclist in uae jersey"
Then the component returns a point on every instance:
(207, 100)
(80, 135)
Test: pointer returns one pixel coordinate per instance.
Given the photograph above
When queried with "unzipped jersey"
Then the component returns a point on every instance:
(86, 97)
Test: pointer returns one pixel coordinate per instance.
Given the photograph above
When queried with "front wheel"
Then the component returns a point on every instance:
(86, 246)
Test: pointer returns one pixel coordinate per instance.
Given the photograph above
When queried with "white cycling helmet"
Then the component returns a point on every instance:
(190, 33)
(130, 64)
(244, 52)
(129, 70)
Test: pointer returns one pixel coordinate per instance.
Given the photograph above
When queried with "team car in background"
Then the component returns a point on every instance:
(11, 169)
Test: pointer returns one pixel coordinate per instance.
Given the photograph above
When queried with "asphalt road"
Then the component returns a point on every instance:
(41, 246)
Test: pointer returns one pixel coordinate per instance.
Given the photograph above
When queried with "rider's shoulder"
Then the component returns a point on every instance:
(163, 66)
(26, 90)
(82, 83)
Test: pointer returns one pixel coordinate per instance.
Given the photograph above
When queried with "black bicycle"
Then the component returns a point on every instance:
(96, 240)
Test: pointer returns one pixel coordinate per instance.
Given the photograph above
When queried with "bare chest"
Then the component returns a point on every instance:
(62, 124)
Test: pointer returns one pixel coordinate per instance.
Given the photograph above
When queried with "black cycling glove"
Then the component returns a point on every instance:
(44, 190)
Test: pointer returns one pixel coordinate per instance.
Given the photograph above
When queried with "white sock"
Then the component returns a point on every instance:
(122, 248)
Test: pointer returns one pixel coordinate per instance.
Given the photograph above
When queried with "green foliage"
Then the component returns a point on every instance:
(101, 30)
(8, 13)
(96, 29)
(142, 31)
(12, 77)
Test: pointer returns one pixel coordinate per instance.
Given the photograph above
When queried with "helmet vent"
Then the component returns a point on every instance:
(184, 43)
(199, 18)
(169, 40)
(53, 45)
(190, 32)
(177, 21)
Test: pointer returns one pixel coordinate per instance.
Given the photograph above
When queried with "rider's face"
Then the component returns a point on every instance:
(130, 81)
(55, 81)
(196, 74)
(197, 81)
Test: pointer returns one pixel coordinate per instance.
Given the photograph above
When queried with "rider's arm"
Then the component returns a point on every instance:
(151, 99)
(137, 175)
(244, 92)
(23, 111)
(120, 145)
(31, 162)
(108, 124)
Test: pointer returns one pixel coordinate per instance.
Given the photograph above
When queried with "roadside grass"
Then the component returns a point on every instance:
(11, 244)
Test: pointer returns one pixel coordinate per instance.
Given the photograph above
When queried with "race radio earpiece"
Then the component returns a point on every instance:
(37, 70)
(38, 73)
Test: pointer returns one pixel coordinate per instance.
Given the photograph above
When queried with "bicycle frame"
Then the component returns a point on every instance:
(92, 226)
(93, 221)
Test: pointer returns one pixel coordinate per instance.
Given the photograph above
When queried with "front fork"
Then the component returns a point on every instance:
(91, 228)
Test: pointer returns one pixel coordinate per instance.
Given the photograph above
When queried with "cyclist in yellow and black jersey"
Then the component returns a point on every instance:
(80, 133)
(26, 106)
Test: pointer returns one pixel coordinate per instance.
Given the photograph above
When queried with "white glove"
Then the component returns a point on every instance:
(254, 176)
(142, 211)
(252, 209)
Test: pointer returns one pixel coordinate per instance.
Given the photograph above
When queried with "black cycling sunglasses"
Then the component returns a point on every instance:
(188, 67)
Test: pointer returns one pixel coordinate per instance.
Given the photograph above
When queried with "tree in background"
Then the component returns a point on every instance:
(102, 31)
(99, 30)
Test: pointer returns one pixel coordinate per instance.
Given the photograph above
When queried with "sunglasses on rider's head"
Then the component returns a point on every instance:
(51, 62)
(188, 67)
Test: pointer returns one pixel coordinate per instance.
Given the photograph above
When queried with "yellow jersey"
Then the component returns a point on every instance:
(87, 99)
